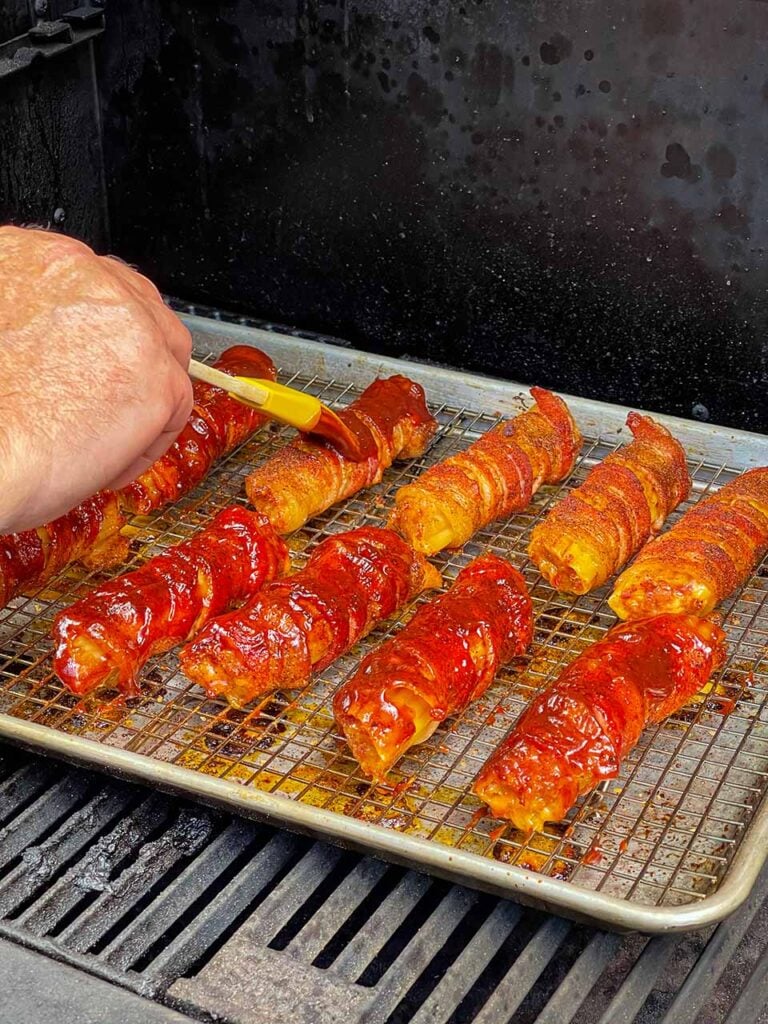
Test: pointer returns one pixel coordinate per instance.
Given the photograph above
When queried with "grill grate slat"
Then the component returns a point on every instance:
(42, 864)
(420, 951)
(630, 998)
(201, 938)
(136, 882)
(469, 965)
(522, 975)
(152, 924)
(92, 874)
(325, 923)
(577, 984)
(381, 926)
(42, 816)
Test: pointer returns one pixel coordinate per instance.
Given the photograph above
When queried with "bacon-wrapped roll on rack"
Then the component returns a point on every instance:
(442, 660)
(308, 476)
(576, 733)
(299, 625)
(494, 477)
(594, 530)
(107, 636)
(216, 426)
(90, 533)
(704, 557)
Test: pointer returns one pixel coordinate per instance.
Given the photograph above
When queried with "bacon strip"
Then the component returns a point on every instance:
(493, 478)
(308, 475)
(595, 529)
(216, 426)
(90, 533)
(446, 657)
(577, 732)
(300, 625)
(704, 557)
(107, 636)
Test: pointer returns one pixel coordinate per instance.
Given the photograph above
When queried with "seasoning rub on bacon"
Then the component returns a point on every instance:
(595, 529)
(493, 478)
(306, 477)
(710, 552)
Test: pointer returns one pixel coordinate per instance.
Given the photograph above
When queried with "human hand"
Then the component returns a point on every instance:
(93, 382)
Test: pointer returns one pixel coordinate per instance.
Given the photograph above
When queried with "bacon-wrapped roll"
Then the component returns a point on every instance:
(216, 426)
(90, 532)
(576, 733)
(594, 530)
(494, 477)
(442, 660)
(308, 475)
(107, 636)
(299, 625)
(704, 557)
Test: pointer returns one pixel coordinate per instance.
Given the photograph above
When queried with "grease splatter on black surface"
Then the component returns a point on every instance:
(484, 200)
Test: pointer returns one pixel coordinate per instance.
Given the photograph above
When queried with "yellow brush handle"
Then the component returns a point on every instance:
(275, 400)
(286, 404)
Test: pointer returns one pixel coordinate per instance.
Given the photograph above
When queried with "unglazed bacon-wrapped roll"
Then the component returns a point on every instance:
(216, 426)
(577, 732)
(442, 660)
(299, 625)
(595, 529)
(494, 477)
(107, 636)
(90, 533)
(711, 551)
(308, 476)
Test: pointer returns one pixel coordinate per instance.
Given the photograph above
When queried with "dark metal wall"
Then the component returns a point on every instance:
(51, 169)
(567, 193)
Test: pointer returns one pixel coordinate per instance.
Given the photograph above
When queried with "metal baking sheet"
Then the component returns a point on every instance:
(673, 844)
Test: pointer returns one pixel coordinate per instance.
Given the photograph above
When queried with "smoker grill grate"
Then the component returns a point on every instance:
(662, 834)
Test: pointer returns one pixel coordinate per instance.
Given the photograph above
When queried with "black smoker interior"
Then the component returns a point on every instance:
(569, 194)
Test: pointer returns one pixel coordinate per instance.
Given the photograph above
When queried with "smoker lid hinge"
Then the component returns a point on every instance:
(49, 38)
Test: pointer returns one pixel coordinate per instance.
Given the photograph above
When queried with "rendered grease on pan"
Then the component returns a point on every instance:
(290, 747)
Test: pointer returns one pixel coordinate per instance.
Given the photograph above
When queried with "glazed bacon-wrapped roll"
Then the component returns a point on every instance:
(442, 660)
(216, 426)
(107, 636)
(594, 530)
(308, 476)
(494, 477)
(89, 533)
(299, 625)
(704, 557)
(576, 733)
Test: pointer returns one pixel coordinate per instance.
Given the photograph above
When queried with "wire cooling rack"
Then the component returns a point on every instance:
(662, 834)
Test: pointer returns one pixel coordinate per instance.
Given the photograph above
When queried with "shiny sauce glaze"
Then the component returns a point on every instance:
(301, 624)
(107, 636)
(90, 530)
(444, 658)
(577, 732)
